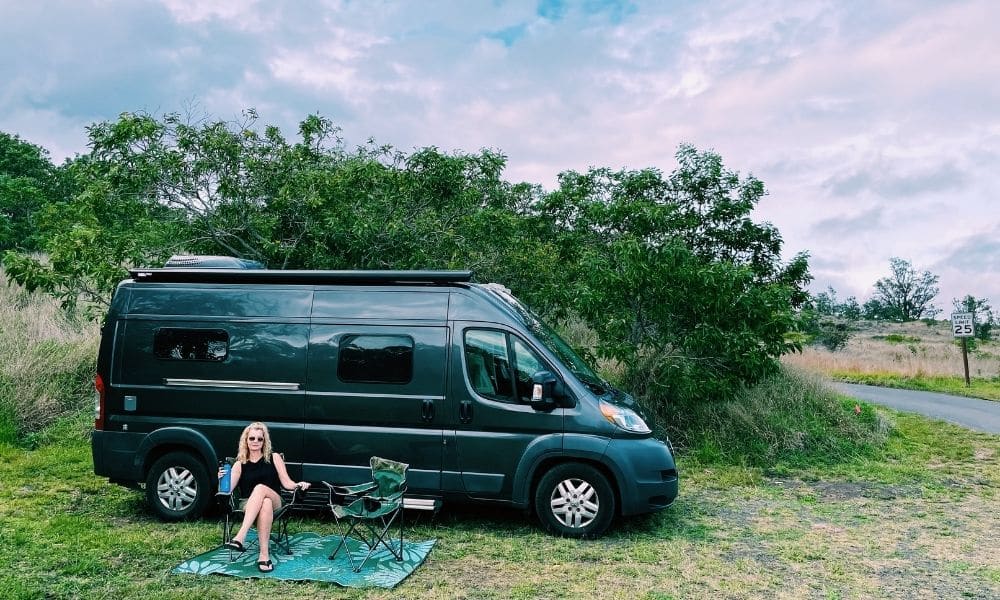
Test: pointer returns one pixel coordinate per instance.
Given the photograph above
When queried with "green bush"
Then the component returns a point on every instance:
(831, 333)
(790, 418)
(897, 338)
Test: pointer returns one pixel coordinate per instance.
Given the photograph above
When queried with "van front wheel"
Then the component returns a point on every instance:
(575, 500)
(177, 487)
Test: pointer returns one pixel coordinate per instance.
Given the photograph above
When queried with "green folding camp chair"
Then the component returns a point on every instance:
(376, 505)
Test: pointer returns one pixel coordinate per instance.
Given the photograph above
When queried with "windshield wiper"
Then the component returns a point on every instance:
(596, 385)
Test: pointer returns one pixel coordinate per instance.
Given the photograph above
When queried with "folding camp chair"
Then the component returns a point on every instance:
(376, 505)
(232, 508)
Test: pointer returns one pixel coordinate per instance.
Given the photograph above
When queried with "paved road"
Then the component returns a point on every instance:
(981, 415)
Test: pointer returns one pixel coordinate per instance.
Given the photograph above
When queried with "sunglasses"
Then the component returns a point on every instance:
(251, 438)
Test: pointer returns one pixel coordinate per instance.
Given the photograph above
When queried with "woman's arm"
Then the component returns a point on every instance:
(286, 481)
(234, 475)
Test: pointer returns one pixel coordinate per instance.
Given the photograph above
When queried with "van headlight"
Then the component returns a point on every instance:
(626, 418)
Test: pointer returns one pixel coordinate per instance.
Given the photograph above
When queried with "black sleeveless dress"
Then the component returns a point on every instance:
(258, 472)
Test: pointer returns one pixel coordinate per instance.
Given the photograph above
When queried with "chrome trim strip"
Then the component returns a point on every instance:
(249, 385)
(401, 396)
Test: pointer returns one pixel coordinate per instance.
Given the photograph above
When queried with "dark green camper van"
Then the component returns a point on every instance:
(460, 380)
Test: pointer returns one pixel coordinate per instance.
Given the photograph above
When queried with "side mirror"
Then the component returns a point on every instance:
(547, 391)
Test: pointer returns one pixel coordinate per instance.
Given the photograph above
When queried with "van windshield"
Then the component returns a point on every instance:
(571, 359)
(558, 346)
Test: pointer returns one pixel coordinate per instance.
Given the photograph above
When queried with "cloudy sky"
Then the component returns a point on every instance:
(874, 124)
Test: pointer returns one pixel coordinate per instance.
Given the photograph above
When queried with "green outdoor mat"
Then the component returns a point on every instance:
(309, 562)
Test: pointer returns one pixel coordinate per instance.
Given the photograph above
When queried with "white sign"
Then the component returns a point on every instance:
(962, 324)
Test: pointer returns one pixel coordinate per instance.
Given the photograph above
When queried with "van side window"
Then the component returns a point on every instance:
(375, 359)
(487, 363)
(526, 364)
(488, 356)
(191, 344)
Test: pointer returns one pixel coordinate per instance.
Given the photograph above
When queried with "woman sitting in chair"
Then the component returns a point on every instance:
(260, 474)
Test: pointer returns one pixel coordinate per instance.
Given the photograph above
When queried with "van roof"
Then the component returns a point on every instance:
(264, 276)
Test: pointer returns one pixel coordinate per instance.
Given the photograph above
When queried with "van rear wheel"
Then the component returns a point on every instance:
(177, 487)
(575, 500)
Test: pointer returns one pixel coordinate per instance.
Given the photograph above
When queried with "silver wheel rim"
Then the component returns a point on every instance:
(574, 503)
(176, 488)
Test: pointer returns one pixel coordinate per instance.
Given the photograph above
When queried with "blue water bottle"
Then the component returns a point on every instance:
(227, 470)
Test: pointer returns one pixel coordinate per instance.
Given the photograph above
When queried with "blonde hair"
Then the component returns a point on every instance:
(243, 452)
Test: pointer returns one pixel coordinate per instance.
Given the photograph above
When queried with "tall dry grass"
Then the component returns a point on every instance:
(47, 361)
(907, 349)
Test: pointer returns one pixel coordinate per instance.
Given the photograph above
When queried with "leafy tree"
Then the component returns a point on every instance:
(154, 187)
(905, 294)
(823, 319)
(874, 310)
(92, 237)
(850, 309)
(680, 284)
(672, 273)
(28, 182)
(825, 304)
(833, 335)
(982, 312)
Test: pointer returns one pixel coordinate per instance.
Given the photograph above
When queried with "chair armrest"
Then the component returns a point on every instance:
(292, 495)
(351, 490)
(397, 495)
(356, 490)
(226, 500)
(374, 506)
(341, 495)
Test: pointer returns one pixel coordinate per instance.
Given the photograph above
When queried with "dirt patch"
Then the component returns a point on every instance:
(984, 454)
(899, 578)
(849, 490)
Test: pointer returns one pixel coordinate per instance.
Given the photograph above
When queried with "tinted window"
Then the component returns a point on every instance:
(487, 364)
(527, 363)
(191, 344)
(375, 359)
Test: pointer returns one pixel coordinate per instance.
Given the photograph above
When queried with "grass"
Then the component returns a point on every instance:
(918, 356)
(47, 363)
(918, 519)
(786, 493)
(792, 418)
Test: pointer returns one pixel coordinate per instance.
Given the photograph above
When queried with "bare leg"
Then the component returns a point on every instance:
(253, 508)
(264, 521)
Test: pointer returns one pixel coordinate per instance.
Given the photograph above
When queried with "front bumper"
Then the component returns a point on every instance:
(648, 478)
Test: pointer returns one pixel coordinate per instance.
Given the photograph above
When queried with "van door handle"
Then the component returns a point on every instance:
(465, 411)
(427, 410)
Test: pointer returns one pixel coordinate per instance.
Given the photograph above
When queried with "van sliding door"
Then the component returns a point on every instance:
(375, 390)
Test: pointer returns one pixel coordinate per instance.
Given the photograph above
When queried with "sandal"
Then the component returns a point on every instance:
(261, 564)
(235, 545)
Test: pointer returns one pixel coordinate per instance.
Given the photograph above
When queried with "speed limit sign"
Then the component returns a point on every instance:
(962, 324)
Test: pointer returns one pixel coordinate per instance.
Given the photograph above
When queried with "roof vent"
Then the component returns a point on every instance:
(182, 261)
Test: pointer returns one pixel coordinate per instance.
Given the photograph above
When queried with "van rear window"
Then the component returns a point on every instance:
(375, 359)
(191, 344)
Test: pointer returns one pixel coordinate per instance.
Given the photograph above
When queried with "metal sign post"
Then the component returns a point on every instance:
(963, 325)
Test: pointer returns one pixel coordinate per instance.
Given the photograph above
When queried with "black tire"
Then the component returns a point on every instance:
(575, 500)
(177, 487)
